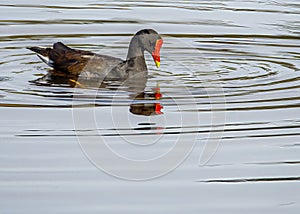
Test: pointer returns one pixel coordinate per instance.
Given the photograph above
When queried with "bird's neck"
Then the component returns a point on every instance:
(135, 57)
(135, 49)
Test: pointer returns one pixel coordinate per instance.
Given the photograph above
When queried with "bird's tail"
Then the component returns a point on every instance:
(43, 54)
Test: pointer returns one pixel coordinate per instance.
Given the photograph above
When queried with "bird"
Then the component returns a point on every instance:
(78, 62)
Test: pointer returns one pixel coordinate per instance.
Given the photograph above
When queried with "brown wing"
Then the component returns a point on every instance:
(73, 61)
(67, 59)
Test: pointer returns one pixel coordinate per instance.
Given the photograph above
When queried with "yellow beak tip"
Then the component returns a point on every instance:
(157, 64)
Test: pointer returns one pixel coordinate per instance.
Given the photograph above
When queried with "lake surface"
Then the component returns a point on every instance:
(223, 138)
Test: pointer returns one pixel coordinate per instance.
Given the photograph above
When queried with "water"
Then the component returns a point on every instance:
(229, 72)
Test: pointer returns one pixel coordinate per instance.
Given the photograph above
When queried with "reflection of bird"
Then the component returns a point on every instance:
(147, 109)
(74, 62)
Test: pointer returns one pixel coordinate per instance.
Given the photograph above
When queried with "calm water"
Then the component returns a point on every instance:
(229, 81)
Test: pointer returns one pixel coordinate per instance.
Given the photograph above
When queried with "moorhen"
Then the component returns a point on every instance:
(77, 62)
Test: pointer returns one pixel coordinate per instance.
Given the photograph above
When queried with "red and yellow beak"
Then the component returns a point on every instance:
(156, 52)
(158, 108)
